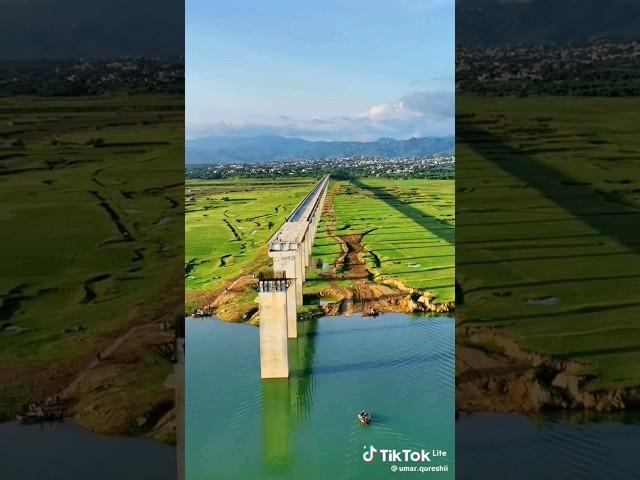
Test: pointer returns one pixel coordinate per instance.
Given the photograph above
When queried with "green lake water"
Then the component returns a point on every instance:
(398, 367)
(557, 445)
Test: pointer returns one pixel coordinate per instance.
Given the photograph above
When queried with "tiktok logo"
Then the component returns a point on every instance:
(368, 456)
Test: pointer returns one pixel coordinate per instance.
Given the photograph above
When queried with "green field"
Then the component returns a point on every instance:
(410, 230)
(91, 235)
(409, 223)
(548, 214)
(227, 226)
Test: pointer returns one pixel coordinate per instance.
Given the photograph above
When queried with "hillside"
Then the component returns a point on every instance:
(544, 21)
(101, 28)
(268, 148)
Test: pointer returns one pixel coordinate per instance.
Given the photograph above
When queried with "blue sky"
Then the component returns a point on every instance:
(321, 70)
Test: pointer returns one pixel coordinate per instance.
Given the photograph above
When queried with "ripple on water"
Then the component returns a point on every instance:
(400, 368)
(550, 446)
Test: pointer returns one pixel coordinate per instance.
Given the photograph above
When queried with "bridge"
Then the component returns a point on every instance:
(279, 295)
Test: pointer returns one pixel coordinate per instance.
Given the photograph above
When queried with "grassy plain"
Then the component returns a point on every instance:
(409, 225)
(548, 216)
(227, 226)
(409, 230)
(91, 236)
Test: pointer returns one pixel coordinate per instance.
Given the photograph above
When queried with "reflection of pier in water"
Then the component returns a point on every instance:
(287, 402)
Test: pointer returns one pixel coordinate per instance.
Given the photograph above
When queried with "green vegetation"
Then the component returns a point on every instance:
(547, 227)
(227, 226)
(408, 228)
(599, 68)
(91, 235)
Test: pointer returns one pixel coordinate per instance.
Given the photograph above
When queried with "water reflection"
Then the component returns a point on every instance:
(304, 426)
(276, 424)
(302, 352)
(287, 402)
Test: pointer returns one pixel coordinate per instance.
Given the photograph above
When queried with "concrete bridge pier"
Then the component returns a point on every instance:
(275, 304)
(290, 265)
(293, 266)
(308, 244)
(288, 257)
(292, 311)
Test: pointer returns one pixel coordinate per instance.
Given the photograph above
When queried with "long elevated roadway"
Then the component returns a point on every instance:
(290, 248)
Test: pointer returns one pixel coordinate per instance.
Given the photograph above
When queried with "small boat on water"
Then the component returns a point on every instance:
(370, 312)
(31, 417)
(364, 417)
(50, 411)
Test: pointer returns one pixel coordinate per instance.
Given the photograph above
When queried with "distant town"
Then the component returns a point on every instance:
(600, 68)
(87, 77)
(436, 166)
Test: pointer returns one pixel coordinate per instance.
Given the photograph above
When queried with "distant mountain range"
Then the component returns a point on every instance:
(63, 29)
(481, 22)
(267, 148)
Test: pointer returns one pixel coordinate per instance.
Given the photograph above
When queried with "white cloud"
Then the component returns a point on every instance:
(417, 114)
(395, 111)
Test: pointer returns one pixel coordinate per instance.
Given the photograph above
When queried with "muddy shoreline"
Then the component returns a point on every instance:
(104, 393)
(495, 374)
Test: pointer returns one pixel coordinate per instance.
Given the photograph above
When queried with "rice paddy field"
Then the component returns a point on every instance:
(408, 227)
(548, 217)
(227, 226)
(91, 234)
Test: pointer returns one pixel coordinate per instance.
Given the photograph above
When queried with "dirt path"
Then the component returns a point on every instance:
(355, 270)
(350, 265)
(237, 286)
(366, 294)
(104, 355)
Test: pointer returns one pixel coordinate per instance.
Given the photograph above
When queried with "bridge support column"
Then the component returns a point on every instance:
(290, 265)
(272, 298)
(300, 278)
(292, 312)
(308, 245)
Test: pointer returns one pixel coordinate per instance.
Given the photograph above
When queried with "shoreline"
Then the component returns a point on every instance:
(104, 395)
(494, 374)
(236, 303)
(162, 431)
(70, 420)
(368, 291)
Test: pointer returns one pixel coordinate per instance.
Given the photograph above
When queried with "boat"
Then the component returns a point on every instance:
(371, 312)
(34, 412)
(364, 417)
(31, 417)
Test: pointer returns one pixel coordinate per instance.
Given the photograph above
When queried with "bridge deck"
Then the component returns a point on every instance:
(306, 207)
(295, 226)
(290, 232)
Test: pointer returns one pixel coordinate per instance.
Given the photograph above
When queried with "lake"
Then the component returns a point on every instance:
(399, 367)
(65, 451)
(567, 446)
